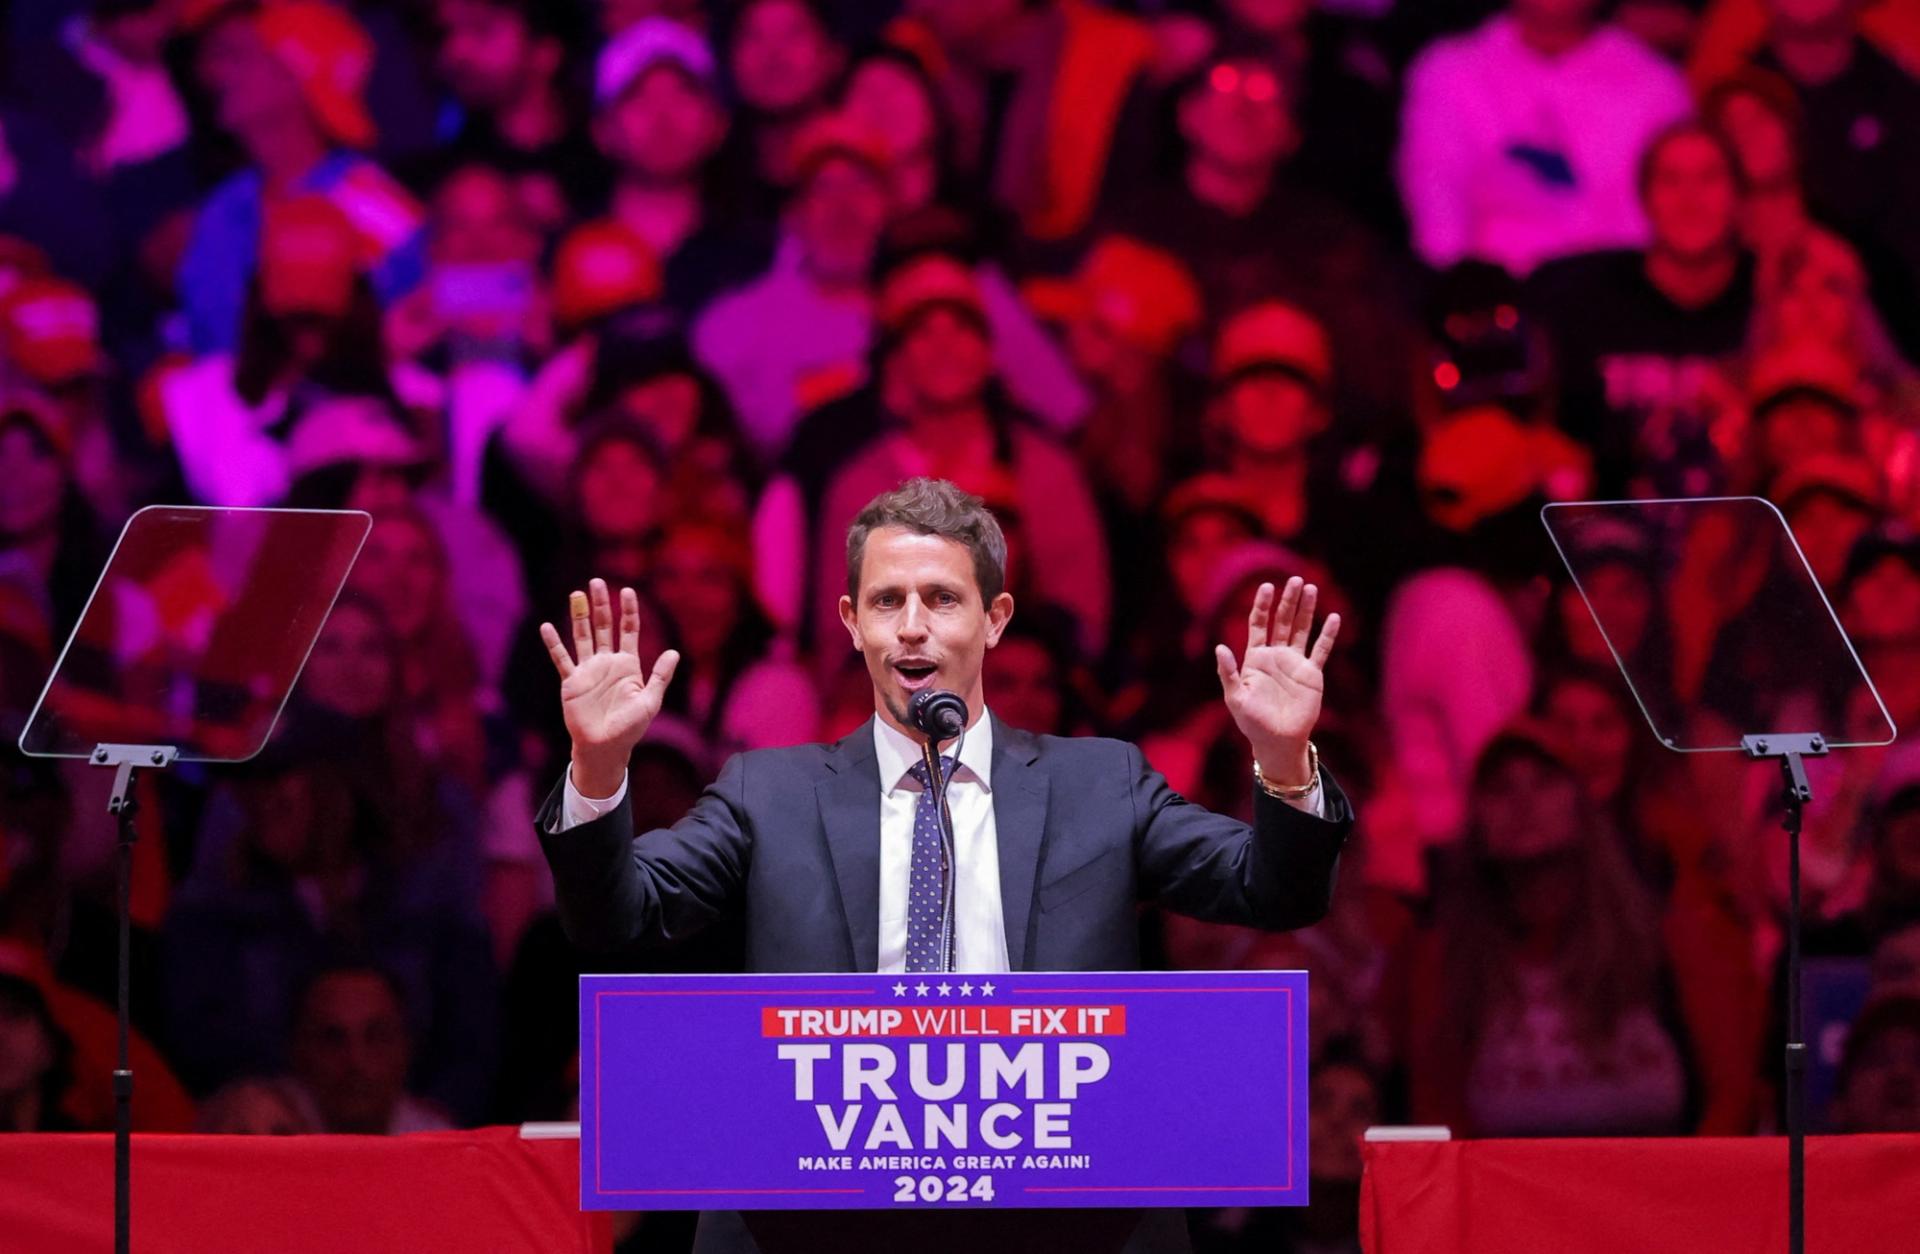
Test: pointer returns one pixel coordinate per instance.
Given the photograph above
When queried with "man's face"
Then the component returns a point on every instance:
(1527, 810)
(664, 128)
(400, 567)
(619, 492)
(1270, 412)
(1196, 547)
(1691, 198)
(1343, 1106)
(1238, 117)
(351, 1050)
(487, 55)
(253, 94)
(841, 214)
(782, 60)
(1809, 17)
(1827, 524)
(944, 361)
(351, 670)
(1597, 734)
(1026, 685)
(919, 620)
(479, 220)
(1883, 1091)
(1883, 606)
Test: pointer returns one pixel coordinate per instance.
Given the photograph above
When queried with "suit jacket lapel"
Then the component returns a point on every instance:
(1020, 821)
(849, 798)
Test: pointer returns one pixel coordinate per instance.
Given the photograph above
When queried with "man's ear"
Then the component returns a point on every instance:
(851, 621)
(999, 614)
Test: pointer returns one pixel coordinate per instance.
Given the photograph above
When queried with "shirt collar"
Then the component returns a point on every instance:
(895, 752)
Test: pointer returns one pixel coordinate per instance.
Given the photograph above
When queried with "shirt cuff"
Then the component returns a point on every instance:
(1313, 803)
(576, 809)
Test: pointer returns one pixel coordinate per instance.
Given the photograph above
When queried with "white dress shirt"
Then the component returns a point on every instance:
(980, 934)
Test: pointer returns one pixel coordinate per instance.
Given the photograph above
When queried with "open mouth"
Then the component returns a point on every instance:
(915, 675)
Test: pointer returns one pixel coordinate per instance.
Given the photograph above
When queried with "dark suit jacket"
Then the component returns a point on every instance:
(1086, 831)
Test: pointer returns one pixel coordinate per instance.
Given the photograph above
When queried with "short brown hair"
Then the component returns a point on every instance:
(934, 507)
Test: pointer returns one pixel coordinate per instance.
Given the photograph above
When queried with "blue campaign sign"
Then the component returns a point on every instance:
(785, 1092)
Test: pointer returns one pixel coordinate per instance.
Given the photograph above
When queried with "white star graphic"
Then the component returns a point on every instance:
(920, 989)
(945, 988)
(966, 990)
(986, 990)
(899, 990)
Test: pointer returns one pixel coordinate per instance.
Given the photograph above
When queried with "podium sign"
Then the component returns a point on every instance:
(793, 1092)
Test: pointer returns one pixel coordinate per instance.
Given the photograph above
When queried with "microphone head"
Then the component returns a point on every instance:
(940, 714)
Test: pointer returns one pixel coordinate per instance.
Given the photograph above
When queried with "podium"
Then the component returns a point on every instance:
(1005, 1112)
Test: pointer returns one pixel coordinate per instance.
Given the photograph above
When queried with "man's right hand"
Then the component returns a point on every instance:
(606, 697)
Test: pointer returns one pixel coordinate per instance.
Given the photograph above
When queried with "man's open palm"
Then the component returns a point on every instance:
(1274, 692)
(606, 697)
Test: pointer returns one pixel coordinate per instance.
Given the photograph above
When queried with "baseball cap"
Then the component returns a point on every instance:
(309, 258)
(601, 268)
(50, 329)
(1273, 335)
(648, 42)
(925, 281)
(1844, 475)
(839, 134)
(1804, 367)
(1485, 461)
(1140, 294)
(330, 56)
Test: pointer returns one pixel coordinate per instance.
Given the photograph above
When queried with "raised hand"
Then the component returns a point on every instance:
(1274, 692)
(606, 697)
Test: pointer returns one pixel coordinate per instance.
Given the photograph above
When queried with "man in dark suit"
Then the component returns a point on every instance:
(831, 852)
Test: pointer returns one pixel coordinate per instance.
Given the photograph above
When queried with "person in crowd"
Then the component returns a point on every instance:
(1879, 1081)
(733, 687)
(254, 1107)
(1348, 105)
(1539, 1003)
(35, 1059)
(1041, 94)
(1520, 140)
(312, 334)
(288, 83)
(403, 569)
(890, 91)
(50, 336)
(949, 417)
(1252, 230)
(784, 61)
(1861, 114)
(1039, 683)
(797, 336)
(1344, 1100)
(505, 64)
(351, 1053)
(1639, 333)
(51, 548)
(336, 842)
(661, 121)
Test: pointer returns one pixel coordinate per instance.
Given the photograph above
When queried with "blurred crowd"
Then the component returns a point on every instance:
(1195, 293)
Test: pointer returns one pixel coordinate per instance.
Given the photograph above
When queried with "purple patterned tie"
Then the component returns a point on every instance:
(926, 886)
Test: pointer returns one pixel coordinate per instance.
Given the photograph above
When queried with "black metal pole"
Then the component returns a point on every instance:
(122, 806)
(1797, 793)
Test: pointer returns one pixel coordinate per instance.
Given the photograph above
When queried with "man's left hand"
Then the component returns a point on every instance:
(1274, 692)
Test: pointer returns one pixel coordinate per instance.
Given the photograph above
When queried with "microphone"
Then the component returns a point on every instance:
(941, 714)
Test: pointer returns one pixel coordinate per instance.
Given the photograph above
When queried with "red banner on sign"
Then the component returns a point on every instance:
(854, 1022)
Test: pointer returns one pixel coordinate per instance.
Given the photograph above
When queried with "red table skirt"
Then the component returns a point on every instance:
(1703, 1196)
(461, 1192)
